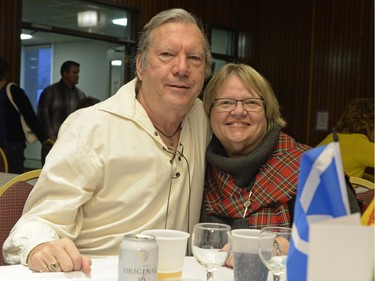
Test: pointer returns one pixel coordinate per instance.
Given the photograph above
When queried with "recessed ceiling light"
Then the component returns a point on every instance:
(25, 36)
(122, 21)
(87, 18)
(116, 62)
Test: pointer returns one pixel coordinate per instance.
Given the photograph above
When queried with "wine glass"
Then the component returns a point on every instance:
(210, 246)
(273, 249)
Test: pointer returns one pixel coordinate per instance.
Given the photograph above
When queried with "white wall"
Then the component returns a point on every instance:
(94, 65)
(94, 59)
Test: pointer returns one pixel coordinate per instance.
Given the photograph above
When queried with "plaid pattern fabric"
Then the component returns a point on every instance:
(274, 186)
(365, 199)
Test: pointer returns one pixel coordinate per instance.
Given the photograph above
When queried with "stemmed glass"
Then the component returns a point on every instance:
(210, 246)
(273, 249)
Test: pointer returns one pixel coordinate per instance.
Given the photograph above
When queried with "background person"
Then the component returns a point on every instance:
(12, 136)
(137, 161)
(58, 100)
(252, 171)
(355, 129)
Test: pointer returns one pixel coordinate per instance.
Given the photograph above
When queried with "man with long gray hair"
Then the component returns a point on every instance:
(137, 161)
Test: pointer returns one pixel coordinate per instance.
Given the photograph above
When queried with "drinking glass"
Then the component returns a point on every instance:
(273, 249)
(210, 246)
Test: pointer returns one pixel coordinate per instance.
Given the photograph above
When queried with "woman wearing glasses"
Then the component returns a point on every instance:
(252, 169)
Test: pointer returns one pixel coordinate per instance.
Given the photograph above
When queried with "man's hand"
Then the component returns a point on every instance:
(59, 255)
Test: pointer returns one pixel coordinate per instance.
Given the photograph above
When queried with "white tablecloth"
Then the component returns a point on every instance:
(105, 269)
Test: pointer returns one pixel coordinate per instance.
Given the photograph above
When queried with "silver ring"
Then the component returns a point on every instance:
(53, 266)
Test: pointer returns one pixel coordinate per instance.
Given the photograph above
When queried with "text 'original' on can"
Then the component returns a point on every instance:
(138, 259)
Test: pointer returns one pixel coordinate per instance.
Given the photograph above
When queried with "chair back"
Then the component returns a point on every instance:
(13, 196)
(3, 161)
(364, 191)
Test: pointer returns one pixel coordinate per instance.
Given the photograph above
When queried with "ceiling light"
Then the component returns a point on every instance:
(87, 19)
(122, 21)
(25, 36)
(116, 62)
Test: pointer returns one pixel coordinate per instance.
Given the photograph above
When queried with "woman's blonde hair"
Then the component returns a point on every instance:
(252, 80)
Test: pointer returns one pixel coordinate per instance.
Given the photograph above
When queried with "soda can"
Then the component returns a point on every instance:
(138, 259)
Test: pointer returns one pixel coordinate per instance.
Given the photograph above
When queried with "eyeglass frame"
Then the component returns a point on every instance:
(243, 104)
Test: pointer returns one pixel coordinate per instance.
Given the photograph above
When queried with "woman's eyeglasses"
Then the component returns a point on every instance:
(227, 105)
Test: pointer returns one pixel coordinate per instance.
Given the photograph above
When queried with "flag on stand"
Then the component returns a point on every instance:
(321, 194)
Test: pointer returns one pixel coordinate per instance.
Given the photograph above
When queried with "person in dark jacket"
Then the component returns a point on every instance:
(12, 136)
(60, 99)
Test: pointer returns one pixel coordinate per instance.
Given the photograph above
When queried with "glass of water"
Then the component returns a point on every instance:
(273, 249)
(210, 246)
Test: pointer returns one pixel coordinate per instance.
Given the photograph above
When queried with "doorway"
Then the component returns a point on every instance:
(82, 31)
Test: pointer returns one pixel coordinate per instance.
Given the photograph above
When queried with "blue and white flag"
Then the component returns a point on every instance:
(321, 194)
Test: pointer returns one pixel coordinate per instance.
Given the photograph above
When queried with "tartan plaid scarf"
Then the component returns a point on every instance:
(273, 182)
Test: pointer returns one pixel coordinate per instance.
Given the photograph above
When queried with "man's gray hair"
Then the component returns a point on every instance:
(178, 15)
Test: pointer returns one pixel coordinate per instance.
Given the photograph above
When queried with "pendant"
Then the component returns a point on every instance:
(247, 204)
(171, 142)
